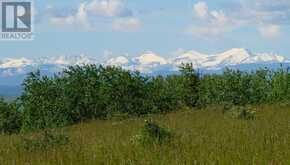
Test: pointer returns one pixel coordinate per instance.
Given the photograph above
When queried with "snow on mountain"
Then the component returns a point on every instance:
(64, 60)
(150, 58)
(145, 63)
(265, 58)
(151, 62)
(118, 61)
(196, 58)
(148, 62)
(68, 60)
(231, 57)
(15, 63)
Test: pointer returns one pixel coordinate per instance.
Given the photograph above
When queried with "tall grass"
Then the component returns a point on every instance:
(200, 137)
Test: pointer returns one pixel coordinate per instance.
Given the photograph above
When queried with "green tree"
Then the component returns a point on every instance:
(191, 81)
(10, 118)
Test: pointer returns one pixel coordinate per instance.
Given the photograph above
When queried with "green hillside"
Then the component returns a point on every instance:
(199, 137)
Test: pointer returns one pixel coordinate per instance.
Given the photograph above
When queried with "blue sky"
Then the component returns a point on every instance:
(103, 28)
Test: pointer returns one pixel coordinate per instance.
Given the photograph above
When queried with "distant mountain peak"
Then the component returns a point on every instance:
(231, 57)
(192, 54)
(15, 63)
(147, 63)
(194, 57)
(118, 61)
(236, 52)
(150, 58)
(240, 50)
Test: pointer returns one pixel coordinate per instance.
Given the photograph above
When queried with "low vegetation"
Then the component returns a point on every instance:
(151, 133)
(43, 142)
(241, 112)
(205, 136)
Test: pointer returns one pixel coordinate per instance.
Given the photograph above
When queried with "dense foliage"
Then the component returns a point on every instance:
(88, 92)
(82, 93)
(10, 118)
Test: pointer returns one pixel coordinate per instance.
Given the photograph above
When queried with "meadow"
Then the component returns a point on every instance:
(201, 136)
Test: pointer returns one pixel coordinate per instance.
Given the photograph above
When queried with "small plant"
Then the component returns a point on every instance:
(242, 112)
(46, 140)
(152, 133)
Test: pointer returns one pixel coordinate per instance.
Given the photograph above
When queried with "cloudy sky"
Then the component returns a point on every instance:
(106, 28)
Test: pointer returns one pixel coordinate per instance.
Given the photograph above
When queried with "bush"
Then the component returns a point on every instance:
(82, 93)
(191, 83)
(151, 133)
(88, 92)
(45, 141)
(10, 118)
(43, 103)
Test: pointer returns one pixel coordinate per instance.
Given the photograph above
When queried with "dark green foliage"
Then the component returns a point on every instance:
(92, 92)
(241, 88)
(10, 119)
(43, 103)
(166, 94)
(191, 81)
(45, 141)
(151, 133)
(280, 86)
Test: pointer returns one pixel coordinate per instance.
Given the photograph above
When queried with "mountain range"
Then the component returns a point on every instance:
(14, 70)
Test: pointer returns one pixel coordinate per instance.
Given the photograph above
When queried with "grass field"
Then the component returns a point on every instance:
(201, 137)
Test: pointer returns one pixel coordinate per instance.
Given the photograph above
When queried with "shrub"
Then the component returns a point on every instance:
(151, 133)
(43, 103)
(191, 83)
(86, 92)
(10, 118)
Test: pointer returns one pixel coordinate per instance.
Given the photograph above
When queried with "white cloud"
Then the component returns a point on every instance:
(272, 14)
(108, 8)
(76, 20)
(219, 17)
(126, 24)
(200, 9)
(270, 31)
(88, 17)
(209, 23)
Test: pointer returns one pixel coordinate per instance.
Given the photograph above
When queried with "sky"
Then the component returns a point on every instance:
(110, 28)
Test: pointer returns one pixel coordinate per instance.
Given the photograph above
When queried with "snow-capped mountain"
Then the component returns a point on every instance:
(150, 58)
(13, 70)
(152, 63)
(15, 63)
(231, 57)
(118, 61)
(196, 58)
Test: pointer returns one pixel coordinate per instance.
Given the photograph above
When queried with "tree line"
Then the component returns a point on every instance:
(82, 93)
